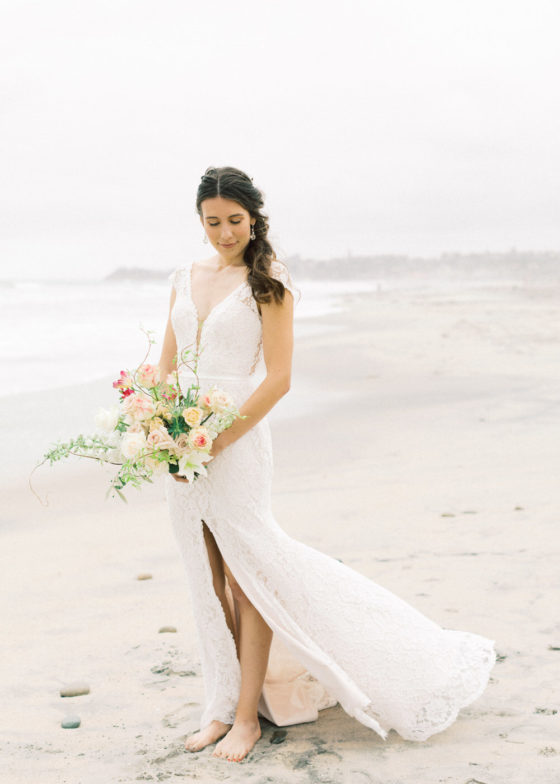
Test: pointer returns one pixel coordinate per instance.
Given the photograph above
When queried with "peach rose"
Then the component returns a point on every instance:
(182, 445)
(155, 422)
(159, 438)
(199, 438)
(161, 410)
(148, 375)
(136, 427)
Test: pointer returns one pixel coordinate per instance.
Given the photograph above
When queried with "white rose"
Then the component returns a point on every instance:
(220, 401)
(114, 438)
(132, 444)
(106, 419)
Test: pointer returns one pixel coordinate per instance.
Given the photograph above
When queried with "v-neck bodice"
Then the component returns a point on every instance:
(229, 338)
(200, 321)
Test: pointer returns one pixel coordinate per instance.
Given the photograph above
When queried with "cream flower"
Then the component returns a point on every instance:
(161, 410)
(159, 438)
(159, 467)
(193, 415)
(220, 401)
(132, 444)
(191, 462)
(106, 419)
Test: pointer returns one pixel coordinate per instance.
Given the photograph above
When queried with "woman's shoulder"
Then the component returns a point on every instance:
(280, 271)
(179, 276)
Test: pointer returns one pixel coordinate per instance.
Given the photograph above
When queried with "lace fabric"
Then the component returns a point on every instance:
(337, 635)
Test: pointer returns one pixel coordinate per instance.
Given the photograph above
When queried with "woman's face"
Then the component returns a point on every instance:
(228, 226)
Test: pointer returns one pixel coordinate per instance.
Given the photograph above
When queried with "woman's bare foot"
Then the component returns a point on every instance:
(239, 740)
(210, 734)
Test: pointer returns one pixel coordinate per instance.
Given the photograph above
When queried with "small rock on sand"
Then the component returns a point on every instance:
(74, 690)
(167, 629)
(70, 722)
(144, 576)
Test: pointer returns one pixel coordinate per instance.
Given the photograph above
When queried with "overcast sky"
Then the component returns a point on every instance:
(371, 127)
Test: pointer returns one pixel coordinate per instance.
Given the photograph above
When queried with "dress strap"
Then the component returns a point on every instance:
(180, 278)
(279, 271)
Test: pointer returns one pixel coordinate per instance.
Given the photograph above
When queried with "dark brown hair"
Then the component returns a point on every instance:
(234, 184)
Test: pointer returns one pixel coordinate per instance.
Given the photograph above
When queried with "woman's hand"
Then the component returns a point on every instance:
(217, 447)
(180, 478)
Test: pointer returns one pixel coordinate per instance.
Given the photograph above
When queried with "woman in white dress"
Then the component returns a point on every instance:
(284, 630)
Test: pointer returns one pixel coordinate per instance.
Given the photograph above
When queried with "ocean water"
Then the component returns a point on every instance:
(55, 334)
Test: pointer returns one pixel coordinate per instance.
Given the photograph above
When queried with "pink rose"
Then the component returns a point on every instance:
(204, 401)
(199, 438)
(148, 375)
(139, 406)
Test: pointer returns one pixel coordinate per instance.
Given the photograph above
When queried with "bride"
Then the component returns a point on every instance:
(284, 630)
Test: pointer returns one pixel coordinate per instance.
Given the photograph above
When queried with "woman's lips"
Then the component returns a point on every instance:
(231, 244)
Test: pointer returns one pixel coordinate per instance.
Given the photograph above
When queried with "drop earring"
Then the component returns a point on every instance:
(252, 234)
(205, 238)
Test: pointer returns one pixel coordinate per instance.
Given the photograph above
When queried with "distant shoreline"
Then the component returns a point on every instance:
(366, 267)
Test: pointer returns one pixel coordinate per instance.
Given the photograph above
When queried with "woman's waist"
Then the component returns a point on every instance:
(240, 387)
(193, 378)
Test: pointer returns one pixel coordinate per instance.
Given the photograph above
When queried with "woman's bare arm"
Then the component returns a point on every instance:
(278, 341)
(169, 348)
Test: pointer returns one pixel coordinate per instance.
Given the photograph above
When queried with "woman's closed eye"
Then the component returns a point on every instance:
(217, 224)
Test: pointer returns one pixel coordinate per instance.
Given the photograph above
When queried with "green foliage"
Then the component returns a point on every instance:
(134, 471)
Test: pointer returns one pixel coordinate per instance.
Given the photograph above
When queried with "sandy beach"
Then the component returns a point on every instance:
(418, 444)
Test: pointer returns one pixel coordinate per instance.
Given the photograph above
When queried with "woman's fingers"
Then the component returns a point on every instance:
(180, 478)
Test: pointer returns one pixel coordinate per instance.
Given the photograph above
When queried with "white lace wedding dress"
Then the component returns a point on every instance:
(337, 635)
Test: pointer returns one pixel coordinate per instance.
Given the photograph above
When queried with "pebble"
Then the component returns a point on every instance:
(278, 736)
(74, 690)
(70, 722)
(167, 629)
(144, 576)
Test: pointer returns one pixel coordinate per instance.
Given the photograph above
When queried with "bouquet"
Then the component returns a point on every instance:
(155, 428)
